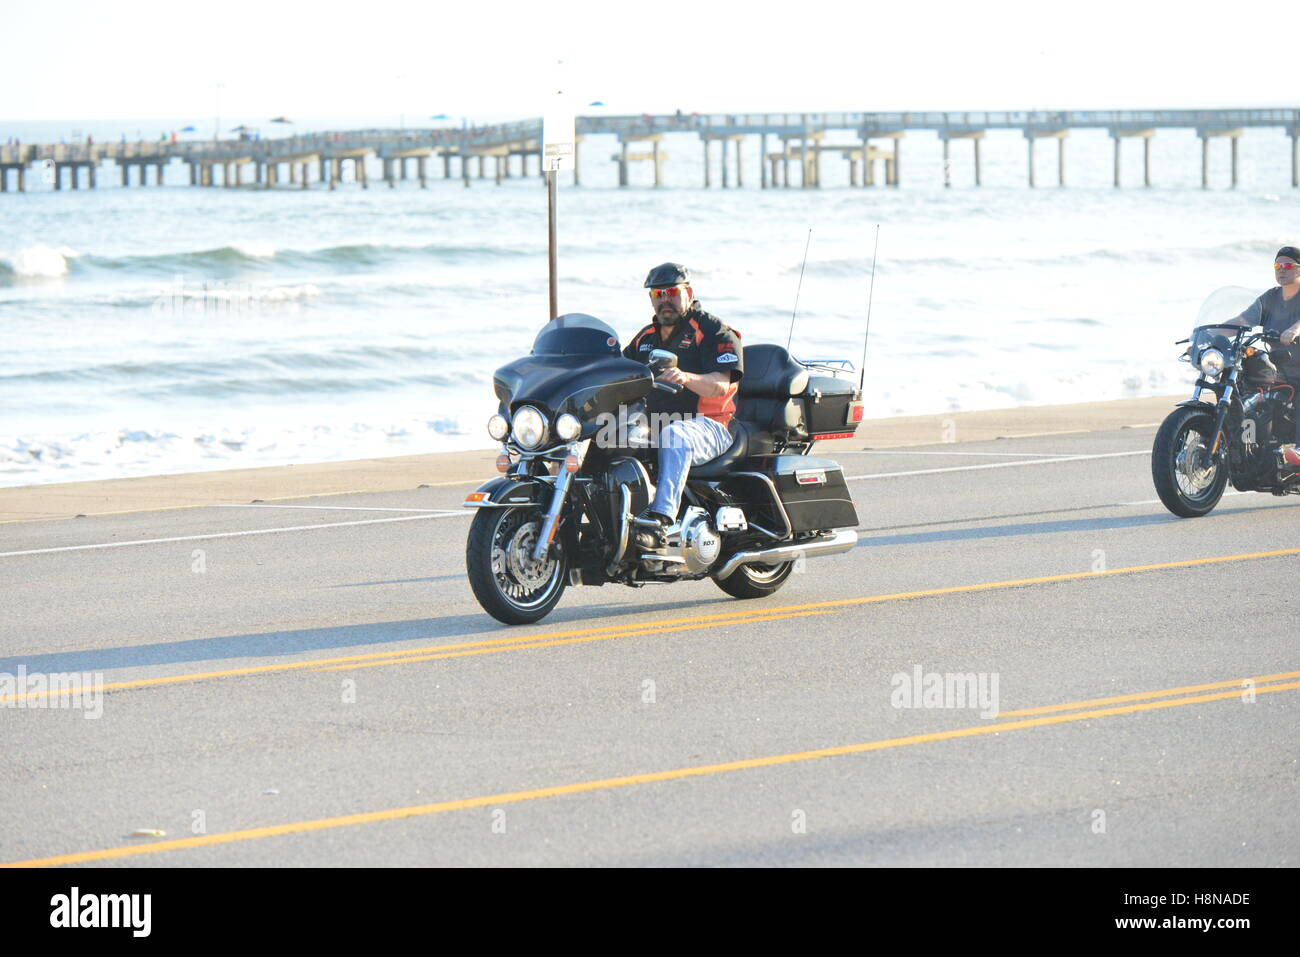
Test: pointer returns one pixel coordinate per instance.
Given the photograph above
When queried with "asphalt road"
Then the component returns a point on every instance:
(312, 683)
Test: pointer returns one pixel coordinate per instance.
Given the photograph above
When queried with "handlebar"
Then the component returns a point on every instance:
(667, 386)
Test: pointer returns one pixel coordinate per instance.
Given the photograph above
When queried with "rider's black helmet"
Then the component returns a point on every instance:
(668, 274)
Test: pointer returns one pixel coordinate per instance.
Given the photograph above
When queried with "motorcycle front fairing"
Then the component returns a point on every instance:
(575, 366)
(588, 387)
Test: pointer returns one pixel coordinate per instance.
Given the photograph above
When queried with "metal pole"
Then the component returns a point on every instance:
(551, 245)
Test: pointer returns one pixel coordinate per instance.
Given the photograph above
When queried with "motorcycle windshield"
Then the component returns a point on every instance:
(1224, 305)
(1216, 326)
(576, 334)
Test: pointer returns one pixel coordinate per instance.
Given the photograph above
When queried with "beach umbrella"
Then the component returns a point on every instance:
(188, 129)
(282, 119)
(595, 103)
(440, 116)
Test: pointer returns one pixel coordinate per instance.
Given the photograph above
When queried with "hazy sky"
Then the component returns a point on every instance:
(140, 58)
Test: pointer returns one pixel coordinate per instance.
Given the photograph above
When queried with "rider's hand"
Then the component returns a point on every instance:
(675, 376)
(1287, 337)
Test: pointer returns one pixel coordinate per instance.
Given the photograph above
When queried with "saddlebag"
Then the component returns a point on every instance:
(812, 491)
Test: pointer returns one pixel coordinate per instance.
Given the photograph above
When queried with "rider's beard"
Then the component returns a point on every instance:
(667, 317)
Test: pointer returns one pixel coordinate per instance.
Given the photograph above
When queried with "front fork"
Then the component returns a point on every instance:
(1225, 402)
(563, 481)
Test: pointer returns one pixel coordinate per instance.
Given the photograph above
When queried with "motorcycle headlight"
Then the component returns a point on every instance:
(498, 427)
(529, 427)
(567, 427)
(1211, 361)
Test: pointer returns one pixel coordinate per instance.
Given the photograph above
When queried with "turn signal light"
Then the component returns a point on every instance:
(476, 496)
(503, 463)
(855, 412)
(571, 463)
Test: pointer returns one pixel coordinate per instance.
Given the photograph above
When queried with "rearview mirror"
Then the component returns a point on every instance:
(661, 359)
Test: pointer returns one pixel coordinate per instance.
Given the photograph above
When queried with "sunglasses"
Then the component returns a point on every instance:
(672, 292)
(1286, 266)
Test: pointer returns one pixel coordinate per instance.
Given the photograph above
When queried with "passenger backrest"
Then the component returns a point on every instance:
(770, 373)
(771, 380)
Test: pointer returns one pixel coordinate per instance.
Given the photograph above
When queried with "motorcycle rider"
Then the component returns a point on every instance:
(1278, 310)
(710, 363)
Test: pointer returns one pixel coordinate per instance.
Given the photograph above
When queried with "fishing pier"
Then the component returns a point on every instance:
(798, 142)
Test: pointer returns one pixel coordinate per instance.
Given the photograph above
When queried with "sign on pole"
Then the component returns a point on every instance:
(558, 134)
(558, 138)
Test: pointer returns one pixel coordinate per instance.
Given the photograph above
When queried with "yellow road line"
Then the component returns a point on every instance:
(724, 618)
(605, 784)
(575, 641)
(492, 644)
(1093, 702)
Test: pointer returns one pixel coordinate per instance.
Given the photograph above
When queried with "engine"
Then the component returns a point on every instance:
(693, 546)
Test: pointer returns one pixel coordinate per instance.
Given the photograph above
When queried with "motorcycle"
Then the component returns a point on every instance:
(578, 463)
(1202, 445)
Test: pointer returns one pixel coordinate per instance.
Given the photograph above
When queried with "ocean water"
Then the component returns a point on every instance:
(170, 329)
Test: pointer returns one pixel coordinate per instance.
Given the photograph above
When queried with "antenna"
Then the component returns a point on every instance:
(806, 244)
(862, 378)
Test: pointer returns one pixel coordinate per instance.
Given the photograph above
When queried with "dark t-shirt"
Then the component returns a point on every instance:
(1276, 315)
(702, 344)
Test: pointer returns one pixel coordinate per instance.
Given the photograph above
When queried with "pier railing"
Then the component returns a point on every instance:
(800, 137)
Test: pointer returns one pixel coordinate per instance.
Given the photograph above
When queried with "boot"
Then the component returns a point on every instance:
(651, 530)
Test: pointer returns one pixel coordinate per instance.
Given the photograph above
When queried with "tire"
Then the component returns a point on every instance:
(1185, 486)
(755, 581)
(518, 591)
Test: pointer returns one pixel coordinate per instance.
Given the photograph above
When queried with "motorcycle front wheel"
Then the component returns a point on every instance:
(510, 585)
(1187, 479)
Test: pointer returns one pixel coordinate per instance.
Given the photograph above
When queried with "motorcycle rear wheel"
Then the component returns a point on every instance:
(1188, 482)
(510, 586)
(755, 581)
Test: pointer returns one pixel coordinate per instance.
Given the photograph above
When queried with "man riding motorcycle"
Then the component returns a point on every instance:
(710, 363)
(1278, 310)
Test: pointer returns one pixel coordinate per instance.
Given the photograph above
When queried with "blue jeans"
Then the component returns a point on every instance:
(681, 445)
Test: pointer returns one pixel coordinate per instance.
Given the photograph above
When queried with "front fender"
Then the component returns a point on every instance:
(507, 492)
(1197, 404)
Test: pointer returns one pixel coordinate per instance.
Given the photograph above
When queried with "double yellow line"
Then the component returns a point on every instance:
(663, 626)
(1242, 688)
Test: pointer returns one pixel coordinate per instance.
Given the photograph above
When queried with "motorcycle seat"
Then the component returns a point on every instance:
(747, 440)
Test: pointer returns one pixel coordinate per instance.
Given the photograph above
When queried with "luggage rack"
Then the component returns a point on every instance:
(836, 367)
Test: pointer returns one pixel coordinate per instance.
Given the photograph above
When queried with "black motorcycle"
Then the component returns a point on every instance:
(579, 463)
(1201, 445)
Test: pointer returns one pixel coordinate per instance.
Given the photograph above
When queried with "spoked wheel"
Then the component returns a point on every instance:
(755, 581)
(1188, 480)
(510, 585)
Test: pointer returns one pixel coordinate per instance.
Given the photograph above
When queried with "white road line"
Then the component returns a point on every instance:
(893, 452)
(350, 508)
(1156, 501)
(995, 465)
(255, 531)
(468, 512)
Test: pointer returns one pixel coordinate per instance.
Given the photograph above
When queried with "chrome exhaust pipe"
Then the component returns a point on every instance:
(840, 541)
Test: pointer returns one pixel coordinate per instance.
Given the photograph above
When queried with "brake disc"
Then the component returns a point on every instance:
(529, 572)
